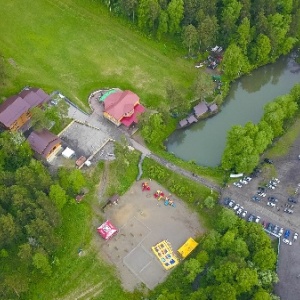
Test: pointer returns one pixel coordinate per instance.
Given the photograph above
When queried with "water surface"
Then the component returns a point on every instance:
(204, 142)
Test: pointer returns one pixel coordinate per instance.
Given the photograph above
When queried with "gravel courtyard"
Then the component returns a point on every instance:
(143, 221)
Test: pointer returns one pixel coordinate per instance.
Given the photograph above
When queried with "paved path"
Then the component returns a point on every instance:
(97, 120)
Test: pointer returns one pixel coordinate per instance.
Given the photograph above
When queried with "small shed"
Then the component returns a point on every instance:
(183, 123)
(68, 153)
(80, 161)
(192, 119)
(213, 108)
(200, 109)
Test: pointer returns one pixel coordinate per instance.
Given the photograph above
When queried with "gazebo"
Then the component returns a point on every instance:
(107, 230)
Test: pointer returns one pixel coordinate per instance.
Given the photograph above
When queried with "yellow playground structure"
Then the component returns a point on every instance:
(187, 248)
(165, 254)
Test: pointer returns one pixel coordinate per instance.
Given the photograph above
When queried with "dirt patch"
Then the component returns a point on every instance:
(143, 221)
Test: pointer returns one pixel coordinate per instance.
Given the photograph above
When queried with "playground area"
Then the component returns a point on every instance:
(147, 225)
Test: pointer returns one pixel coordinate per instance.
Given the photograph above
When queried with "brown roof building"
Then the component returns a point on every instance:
(122, 108)
(15, 111)
(44, 143)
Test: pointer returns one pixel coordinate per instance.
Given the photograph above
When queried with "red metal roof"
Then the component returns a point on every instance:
(127, 121)
(120, 103)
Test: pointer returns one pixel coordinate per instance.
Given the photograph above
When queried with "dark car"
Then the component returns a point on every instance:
(226, 200)
(264, 224)
(251, 218)
(268, 161)
(256, 198)
(261, 189)
(287, 233)
(293, 200)
(272, 199)
(270, 227)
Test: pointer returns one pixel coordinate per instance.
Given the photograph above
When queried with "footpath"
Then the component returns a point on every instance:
(96, 119)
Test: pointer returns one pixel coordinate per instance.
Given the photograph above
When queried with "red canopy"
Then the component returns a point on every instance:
(127, 121)
(107, 230)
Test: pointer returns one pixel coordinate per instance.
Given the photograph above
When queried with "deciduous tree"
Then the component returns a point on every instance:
(189, 37)
(175, 11)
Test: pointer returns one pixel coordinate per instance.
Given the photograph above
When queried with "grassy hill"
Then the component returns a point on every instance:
(76, 46)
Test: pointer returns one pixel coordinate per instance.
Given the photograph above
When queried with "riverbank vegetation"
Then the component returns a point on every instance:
(246, 143)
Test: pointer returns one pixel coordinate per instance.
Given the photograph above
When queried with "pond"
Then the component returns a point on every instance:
(204, 142)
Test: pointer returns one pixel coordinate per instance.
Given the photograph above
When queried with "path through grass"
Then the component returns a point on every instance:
(76, 46)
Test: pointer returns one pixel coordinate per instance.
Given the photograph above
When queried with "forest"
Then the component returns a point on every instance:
(253, 32)
(31, 201)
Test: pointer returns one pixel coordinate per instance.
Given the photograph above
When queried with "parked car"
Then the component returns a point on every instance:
(264, 224)
(271, 204)
(231, 203)
(251, 218)
(276, 179)
(295, 236)
(288, 242)
(275, 229)
(226, 201)
(239, 211)
(262, 194)
(257, 219)
(287, 233)
(244, 214)
(236, 207)
(256, 198)
(268, 161)
(270, 227)
(272, 199)
(237, 184)
(280, 231)
(293, 200)
(248, 178)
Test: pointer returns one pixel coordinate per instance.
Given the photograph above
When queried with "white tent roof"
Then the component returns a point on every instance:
(67, 153)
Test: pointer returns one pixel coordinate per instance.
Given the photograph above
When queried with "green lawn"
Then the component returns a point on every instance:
(76, 46)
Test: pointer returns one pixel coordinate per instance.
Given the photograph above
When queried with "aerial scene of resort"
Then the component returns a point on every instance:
(150, 150)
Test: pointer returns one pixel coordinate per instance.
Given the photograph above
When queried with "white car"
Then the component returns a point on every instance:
(239, 211)
(248, 178)
(271, 204)
(244, 214)
(280, 231)
(276, 179)
(231, 203)
(295, 236)
(236, 206)
(257, 219)
(237, 184)
(288, 242)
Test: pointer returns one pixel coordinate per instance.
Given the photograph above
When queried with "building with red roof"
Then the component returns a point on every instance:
(15, 111)
(122, 107)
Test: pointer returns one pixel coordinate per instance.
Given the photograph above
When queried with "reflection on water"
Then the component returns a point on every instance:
(204, 142)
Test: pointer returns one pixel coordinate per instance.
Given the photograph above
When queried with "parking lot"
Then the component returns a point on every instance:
(286, 170)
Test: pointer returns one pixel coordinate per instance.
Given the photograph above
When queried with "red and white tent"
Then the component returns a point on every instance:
(107, 230)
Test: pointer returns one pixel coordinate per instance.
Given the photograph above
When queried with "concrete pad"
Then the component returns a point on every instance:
(143, 222)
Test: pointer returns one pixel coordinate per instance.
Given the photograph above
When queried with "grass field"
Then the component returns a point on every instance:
(76, 46)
